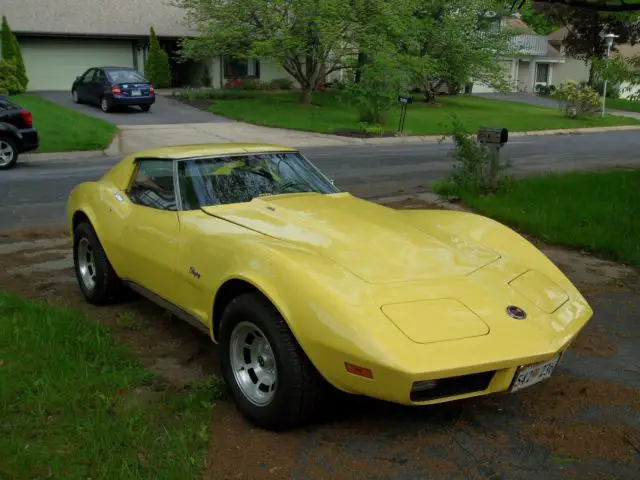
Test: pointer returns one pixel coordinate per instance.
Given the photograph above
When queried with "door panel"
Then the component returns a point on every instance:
(150, 240)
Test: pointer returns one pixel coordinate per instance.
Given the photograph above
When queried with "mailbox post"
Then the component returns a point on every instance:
(494, 139)
(404, 101)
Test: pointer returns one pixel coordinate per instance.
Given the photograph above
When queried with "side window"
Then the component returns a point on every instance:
(99, 76)
(88, 75)
(152, 185)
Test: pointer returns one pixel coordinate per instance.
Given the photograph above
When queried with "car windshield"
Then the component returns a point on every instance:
(125, 76)
(240, 178)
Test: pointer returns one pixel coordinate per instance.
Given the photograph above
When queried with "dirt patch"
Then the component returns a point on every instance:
(595, 341)
(411, 203)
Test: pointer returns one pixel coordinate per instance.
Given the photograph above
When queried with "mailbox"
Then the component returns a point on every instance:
(494, 136)
(405, 99)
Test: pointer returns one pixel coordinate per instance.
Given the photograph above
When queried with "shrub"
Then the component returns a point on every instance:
(377, 92)
(212, 94)
(11, 53)
(9, 83)
(577, 100)
(545, 90)
(376, 130)
(252, 84)
(478, 168)
(281, 84)
(156, 68)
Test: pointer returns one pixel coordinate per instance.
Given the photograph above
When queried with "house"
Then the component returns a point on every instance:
(60, 39)
(535, 61)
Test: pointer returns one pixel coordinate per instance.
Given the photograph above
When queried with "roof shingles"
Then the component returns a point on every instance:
(85, 17)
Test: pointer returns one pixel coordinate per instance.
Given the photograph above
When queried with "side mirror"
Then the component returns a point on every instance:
(78, 78)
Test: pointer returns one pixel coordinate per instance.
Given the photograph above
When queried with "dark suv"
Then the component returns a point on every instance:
(17, 134)
(112, 87)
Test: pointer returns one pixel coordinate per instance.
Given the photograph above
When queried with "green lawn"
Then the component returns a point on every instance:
(596, 211)
(63, 129)
(327, 114)
(621, 104)
(69, 410)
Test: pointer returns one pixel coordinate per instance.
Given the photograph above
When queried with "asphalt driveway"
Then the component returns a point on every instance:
(165, 111)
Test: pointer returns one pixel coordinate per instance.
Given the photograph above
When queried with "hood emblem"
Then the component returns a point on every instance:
(516, 312)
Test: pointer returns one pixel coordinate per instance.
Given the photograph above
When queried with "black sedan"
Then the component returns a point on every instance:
(17, 134)
(111, 87)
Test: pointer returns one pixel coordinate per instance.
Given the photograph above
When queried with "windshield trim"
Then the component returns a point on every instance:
(236, 154)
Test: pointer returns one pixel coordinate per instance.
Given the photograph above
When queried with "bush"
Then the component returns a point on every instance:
(478, 169)
(11, 53)
(9, 83)
(156, 68)
(212, 94)
(377, 92)
(545, 90)
(281, 84)
(576, 100)
(252, 84)
(376, 130)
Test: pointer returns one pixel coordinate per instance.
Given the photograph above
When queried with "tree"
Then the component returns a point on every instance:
(457, 41)
(11, 53)
(537, 19)
(308, 38)
(593, 5)
(156, 68)
(9, 83)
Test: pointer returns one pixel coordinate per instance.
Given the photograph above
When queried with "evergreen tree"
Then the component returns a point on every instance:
(156, 68)
(11, 53)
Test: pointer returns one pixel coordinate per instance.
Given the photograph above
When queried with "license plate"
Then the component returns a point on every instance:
(531, 374)
(136, 93)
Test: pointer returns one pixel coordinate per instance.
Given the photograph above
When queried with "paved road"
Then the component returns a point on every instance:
(35, 194)
(164, 111)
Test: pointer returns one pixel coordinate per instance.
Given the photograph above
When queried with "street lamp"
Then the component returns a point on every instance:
(608, 38)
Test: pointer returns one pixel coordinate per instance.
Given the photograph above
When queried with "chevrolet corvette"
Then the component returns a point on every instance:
(308, 290)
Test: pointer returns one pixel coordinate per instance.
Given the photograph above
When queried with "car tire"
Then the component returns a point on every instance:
(75, 96)
(97, 279)
(145, 108)
(300, 391)
(8, 153)
(104, 105)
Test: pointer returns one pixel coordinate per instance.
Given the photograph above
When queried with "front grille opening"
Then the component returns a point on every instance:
(450, 386)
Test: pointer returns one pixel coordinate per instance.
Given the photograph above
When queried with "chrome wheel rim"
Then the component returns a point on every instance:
(253, 364)
(6, 153)
(104, 105)
(86, 264)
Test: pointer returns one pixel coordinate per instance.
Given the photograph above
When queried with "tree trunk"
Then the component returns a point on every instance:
(306, 94)
(359, 64)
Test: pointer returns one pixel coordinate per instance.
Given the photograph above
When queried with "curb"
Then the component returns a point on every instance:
(116, 147)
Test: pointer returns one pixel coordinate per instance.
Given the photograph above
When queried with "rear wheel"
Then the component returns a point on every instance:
(98, 281)
(271, 379)
(104, 105)
(8, 153)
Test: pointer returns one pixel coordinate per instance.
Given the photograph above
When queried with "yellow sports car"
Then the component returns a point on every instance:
(307, 289)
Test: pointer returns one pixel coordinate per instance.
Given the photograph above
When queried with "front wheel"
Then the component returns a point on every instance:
(271, 379)
(75, 96)
(98, 281)
(8, 153)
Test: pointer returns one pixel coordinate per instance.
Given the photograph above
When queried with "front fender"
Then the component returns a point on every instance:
(512, 246)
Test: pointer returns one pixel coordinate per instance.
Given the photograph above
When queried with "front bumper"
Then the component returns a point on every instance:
(30, 140)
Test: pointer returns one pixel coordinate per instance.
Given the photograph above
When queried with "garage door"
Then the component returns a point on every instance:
(53, 64)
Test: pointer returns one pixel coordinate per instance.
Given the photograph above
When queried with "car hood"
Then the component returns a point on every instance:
(375, 243)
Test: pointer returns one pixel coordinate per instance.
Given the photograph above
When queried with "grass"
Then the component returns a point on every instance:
(622, 104)
(327, 114)
(63, 129)
(595, 211)
(69, 406)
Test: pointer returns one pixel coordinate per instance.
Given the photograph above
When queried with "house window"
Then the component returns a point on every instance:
(241, 68)
(542, 73)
